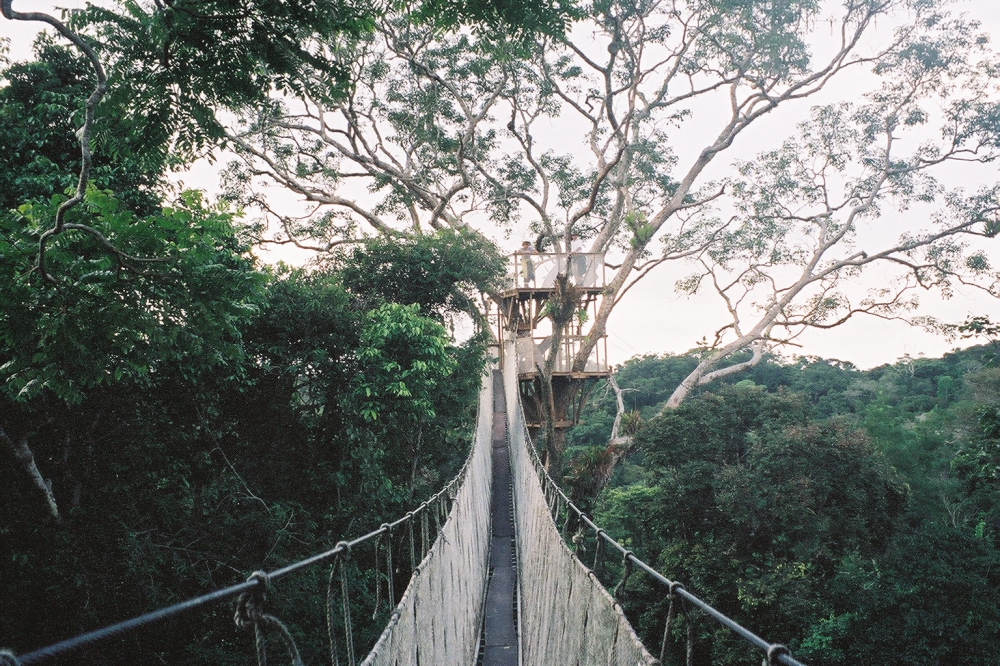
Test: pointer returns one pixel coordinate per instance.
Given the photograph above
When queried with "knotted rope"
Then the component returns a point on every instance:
(340, 566)
(385, 535)
(250, 613)
(578, 545)
(8, 658)
(627, 564)
(677, 601)
(773, 653)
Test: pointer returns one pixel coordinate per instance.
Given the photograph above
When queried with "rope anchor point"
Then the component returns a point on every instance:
(774, 653)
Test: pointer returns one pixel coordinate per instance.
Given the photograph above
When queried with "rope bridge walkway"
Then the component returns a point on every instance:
(493, 582)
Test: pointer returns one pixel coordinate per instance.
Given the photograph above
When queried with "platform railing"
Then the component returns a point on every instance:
(532, 352)
(537, 270)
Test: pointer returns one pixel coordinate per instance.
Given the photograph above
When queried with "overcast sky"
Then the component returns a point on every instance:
(651, 319)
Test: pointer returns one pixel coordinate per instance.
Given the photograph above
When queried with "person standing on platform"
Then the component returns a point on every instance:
(527, 265)
(578, 266)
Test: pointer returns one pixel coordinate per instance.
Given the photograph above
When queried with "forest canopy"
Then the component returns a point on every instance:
(175, 414)
(852, 511)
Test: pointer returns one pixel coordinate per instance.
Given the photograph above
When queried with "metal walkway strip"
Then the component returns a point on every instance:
(500, 646)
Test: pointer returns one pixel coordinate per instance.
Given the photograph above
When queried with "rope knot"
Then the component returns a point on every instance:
(263, 581)
(773, 653)
(8, 658)
(673, 589)
(627, 563)
(249, 605)
(346, 554)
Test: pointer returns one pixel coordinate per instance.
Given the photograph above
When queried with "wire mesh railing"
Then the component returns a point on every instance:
(567, 616)
(565, 513)
(538, 270)
(408, 540)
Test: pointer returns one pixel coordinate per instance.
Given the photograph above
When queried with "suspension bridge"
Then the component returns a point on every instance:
(493, 580)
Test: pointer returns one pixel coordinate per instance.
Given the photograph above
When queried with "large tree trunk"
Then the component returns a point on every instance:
(23, 454)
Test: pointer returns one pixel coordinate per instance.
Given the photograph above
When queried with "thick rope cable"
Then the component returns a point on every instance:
(626, 572)
(250, 613)
(675, 601)
(8, 658)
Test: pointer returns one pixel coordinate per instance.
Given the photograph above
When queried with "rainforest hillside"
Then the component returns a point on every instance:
(853, 513)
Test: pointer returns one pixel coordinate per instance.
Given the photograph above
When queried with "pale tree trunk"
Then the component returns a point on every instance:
(616, 438)
(703, 374)
(618, 444)
(24, 456)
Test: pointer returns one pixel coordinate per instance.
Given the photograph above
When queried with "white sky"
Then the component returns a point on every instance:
(651, 319)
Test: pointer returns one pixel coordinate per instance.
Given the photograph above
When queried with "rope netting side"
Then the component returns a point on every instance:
(438, 619)
(444, 534)
(587, 536)
(567, 617)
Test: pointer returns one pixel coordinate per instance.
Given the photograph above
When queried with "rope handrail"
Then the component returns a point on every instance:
(776, 653)
(256, 582)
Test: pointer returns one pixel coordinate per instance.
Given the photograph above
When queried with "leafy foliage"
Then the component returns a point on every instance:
(40, 109)
(819, 504)
(440, 272)
(178, 63)
(106, 320)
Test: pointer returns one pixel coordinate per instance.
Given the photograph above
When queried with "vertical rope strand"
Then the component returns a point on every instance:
(413, 551)
(425, 537)
(331, 630)
(378, 575)
(345, 595)
(690, 637)
(388, 567)
(627, 564)
(671, 615)
(598, 550)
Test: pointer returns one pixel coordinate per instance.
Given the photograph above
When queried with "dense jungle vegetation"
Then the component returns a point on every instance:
(853, 513)
(201, 416)
(174, 414)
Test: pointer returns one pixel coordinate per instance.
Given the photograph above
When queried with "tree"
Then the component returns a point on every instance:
(755, 507)
(99, 289)
(104, 321)
(454, 131)
(183, 61)
(40, 156)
